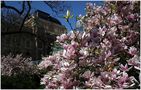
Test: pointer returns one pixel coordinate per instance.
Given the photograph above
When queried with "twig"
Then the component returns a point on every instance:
(13, 8)
(22, 24)
(70, 24)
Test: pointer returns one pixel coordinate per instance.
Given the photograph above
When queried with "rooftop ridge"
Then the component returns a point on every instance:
(46, 16)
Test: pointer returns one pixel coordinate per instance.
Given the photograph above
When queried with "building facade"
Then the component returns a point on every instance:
(36, 38)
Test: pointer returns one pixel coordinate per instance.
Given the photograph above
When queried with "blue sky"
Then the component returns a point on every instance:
(77, 7)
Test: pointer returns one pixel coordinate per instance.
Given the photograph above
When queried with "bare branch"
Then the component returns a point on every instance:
(3, 5)
(22, 24)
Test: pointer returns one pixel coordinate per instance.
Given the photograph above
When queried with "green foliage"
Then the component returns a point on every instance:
(68, 15)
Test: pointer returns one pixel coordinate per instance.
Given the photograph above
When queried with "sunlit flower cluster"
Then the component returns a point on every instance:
(104, 55)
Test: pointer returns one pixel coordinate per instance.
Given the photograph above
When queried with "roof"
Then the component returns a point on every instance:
(46, 16)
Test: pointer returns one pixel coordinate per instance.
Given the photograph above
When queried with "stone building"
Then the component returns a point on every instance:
(36, 38)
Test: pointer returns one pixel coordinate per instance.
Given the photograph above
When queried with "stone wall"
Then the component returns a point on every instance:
(34, 40)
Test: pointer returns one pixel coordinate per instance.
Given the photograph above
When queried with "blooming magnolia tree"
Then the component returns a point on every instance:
(11, 65)
(104, 55)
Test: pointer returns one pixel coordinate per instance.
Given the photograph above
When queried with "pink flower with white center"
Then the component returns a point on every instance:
(115, 19)
(115, 71)
(84, 52)
(123, 39)
(132, 50)
(134, 62)
(67, 83)
(114, 74)
(65, 64)
(70, 52)
(62, 38)
(107, 43)
(125, 47)
(122, 81)
(51, 57)
(102, 31)
(74, 44)
(45, 64)
(112, 31)
(107, 54)
(125, 81)
(88, 74)
(45, 79)
(124, 68)
(95, 83)
(105, 77)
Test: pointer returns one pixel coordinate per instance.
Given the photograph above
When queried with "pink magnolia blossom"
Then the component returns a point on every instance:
(14, 65)
(88, 74)
(122, 81)
(102, 31)
(134, 62)
(124, 68)
(70, 52)
(45, 64)
(62, 38)
(114, 74)
(115, 19)
(132, 50)
(108, 54)
(84, 52)
(101, 56)
(67, 84)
